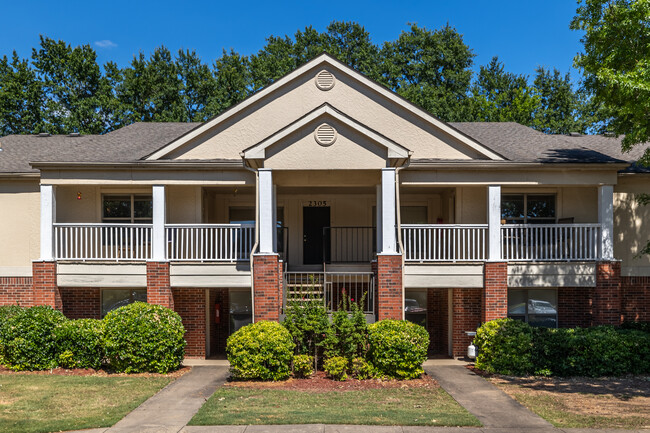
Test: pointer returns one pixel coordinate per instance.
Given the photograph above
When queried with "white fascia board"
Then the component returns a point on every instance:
(258, 151)
(326, 59)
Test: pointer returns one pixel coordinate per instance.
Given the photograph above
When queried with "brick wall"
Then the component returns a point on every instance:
(437, 321)
(267, 280)
(81, 303)
(189, 303)
(16, 291)
(46, 291)
(389, 287)
(635, 299)
(495, 291)
(574, 307)
(158, 288)
(607, 294)
(466, 317)
(219, 331)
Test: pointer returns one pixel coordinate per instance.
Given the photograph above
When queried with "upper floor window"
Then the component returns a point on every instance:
(528, 208)
(127, 208)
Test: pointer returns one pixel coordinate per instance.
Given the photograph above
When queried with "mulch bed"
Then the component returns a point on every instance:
(320, 383)
(92, 372)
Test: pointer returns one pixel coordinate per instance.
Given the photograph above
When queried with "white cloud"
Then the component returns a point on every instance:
(105, 43)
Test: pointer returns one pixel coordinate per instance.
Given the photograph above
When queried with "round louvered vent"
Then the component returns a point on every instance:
(325, 135)
(325, 80)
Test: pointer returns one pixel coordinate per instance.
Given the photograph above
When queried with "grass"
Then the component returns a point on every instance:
(35, 403)
(415, 406)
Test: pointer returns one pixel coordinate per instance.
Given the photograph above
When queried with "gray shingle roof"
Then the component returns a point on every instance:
(515, 142)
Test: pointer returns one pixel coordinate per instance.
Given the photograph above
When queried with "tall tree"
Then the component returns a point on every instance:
(21, 97)
(232, 81)
(561, 107)
(198, 86)
(431, 69)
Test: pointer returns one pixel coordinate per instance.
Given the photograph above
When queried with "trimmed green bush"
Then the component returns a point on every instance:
(336, 367)
(303, 365)
(504, 346)
(361, 369)
(80, 343)
(6, 311)
(347, 336)
(142, 337)
(29, 341)
(262, 350)
(398, 348)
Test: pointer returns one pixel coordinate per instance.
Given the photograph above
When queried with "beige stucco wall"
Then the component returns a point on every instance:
(184, 204)
(288, 104)
(631, 225)
(70, 209)
(19, 226)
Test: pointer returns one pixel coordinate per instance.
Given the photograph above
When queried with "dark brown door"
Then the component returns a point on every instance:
(313, 221)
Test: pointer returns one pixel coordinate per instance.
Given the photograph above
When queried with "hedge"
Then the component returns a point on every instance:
(79, 343)
(398, 348)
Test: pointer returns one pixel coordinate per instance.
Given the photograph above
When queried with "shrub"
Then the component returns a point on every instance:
(361, 369)
(142, 337)
(308, 323)
(336, 367)
(347, 336)
(398, 348)
(639, 326)
(303, 365)
(80, 343)
(6, 311)
(29, 340)
(505, 347)
(261, 350)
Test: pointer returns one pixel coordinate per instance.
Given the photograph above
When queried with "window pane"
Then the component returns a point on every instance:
(241, 309)
(415, 306)
(516, 303)
(512, 206)
(143, 207)
(139, 295)
(117, 207)
(542, 321)
(541, 206)
(414, 215)
(242, 215)
(114, 298)
(542, 302)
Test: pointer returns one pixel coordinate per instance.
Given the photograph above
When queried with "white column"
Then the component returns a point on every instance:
(494, 222)
(388, 203)
(158, 239)
(378, 218)
(266, 212)
(606, 220)
(48, 217)
(275, 218)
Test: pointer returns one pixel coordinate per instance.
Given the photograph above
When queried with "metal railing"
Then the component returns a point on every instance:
(349, 244)
(330, 288)
(444, 242)
(102, 241)
(209, 242)
(565, 242)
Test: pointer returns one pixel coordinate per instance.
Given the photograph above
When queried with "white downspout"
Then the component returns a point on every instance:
(399, 226)
(257, 233)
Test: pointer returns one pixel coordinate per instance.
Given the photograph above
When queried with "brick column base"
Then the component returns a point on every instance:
(267, 281)
(46, 291)
(495, 291)
(389, 287)
(606, 300)
(159, 290)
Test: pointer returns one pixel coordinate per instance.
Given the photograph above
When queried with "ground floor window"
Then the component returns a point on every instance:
(241, 309)
(415, 306)
(116, 298)
(537, 307)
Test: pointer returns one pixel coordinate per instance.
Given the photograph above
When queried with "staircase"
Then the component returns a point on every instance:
(303, 287)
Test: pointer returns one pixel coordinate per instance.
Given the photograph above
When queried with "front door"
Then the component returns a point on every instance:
(313, 221)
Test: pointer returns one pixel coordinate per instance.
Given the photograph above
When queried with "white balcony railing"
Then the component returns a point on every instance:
(444, 242)
(102, 241)
(564, 242)
(209, 242)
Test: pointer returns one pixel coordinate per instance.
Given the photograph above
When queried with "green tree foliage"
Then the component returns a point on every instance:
(616, 64)
(21, 97)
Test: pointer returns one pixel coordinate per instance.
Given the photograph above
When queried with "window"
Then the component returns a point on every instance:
(116, 298)
(415, 306)
(241, 309)
(537, 307)
(127, 208)
(528, 208)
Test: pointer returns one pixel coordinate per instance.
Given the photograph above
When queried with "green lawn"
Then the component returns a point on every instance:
(35, 403)
(415, 406)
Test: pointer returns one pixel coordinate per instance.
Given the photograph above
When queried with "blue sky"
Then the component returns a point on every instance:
(523, 33)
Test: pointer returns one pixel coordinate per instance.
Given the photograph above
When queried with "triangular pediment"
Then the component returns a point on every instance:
(385, 118)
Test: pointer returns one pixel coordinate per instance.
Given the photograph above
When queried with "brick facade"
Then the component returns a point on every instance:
(438, 321)
(606, 297)
(81, 303)
(219, 331)
(267, 287)
(495, 291)
(467, 314)
(158, 287)
(574, 307)
(45, 289)
(389, 287)
(16, 291)
(635, 299)
(189, 303)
